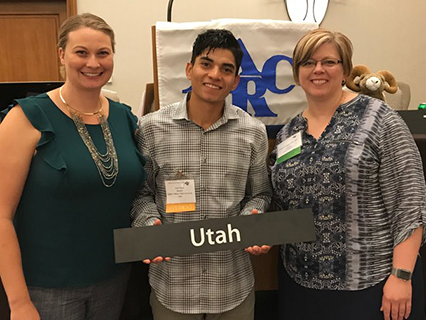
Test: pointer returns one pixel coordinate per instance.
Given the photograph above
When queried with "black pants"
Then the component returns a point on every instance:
(300, 303)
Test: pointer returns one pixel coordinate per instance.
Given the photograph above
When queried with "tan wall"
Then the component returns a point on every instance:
(387, 34)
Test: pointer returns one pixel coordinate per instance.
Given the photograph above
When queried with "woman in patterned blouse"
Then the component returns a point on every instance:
(361, 173)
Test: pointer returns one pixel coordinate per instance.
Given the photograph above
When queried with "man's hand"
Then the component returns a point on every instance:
(257, 250)
(396, 301)
(157, 259)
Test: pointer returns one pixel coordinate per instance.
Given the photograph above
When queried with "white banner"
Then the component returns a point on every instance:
(266, 90)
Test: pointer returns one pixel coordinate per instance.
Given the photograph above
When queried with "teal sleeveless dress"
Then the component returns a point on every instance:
(66, 216)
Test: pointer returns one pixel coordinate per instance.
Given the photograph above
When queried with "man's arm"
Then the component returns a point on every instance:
(258, 187)
(144, 210)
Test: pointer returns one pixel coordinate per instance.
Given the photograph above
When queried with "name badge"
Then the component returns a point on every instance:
(180, 195)
(289, 148)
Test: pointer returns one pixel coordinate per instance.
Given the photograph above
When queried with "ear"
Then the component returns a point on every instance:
(390, 79)
(352, 82)
(236, 81)
(188, 70)
(61, 54)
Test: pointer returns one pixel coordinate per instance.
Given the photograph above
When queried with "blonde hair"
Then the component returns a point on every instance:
(85, 20)
(312, 40)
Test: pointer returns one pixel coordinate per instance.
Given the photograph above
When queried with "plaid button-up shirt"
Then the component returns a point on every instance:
(228, 165)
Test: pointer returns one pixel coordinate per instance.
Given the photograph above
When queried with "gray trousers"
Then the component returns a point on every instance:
(245, 311)
(101, 301)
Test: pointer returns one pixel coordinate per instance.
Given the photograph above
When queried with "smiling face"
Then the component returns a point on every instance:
(88, 58)
(322, 81)
(212, 76)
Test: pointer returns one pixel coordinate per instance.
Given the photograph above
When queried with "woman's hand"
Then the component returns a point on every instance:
(396, 301)
(258, 250)
(24, 311)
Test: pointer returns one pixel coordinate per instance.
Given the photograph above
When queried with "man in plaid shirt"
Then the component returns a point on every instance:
(220, 151)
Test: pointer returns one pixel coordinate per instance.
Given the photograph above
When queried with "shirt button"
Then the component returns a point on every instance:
(203, 160)
(203, 188)
(204, 271)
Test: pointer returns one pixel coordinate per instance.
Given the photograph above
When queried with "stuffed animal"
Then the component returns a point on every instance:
(363, 80)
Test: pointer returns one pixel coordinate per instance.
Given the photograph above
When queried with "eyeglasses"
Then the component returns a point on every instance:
(326, 63)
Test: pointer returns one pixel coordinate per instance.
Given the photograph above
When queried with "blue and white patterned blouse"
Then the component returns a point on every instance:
(364, 180)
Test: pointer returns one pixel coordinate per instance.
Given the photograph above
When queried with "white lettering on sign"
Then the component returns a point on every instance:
(215, 237)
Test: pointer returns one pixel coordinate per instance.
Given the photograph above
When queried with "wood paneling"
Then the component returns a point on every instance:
(35, 57)
(71, 8)
(265, 268)
(29, 32)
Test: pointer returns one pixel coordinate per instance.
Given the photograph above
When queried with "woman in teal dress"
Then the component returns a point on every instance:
(69, 171)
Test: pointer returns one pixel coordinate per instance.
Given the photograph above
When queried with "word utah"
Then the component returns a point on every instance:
(218, 237)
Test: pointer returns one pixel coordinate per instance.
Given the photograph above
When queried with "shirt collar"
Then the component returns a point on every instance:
(300, 122)
(181, 111)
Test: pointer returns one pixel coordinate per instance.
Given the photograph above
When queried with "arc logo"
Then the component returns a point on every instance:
(263, 80)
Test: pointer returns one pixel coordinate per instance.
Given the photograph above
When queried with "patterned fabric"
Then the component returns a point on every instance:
(228, 164)
(363, 180)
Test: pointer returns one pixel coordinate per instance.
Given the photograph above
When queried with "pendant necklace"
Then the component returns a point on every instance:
(106, 163)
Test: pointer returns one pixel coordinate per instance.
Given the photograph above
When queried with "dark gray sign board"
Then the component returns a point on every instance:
(136, 244)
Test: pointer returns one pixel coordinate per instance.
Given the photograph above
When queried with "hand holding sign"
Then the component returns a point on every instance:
(157, 259)
(184, 238)
(256, 250)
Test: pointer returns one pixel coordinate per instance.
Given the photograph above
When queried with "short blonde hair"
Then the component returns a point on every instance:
(85, 20)
(312, 40)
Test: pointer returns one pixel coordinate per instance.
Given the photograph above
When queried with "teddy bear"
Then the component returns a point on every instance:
(362, 80)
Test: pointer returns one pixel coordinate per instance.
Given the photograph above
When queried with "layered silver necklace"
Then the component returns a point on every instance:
(106, 163)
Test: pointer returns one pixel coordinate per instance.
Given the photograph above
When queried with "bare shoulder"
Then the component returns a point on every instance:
(18, 141)
(16, 131)
(17, 120)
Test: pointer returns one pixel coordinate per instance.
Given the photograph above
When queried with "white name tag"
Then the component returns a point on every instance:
(289, 148)
(180, 195)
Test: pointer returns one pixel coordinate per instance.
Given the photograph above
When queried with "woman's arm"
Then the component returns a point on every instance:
(397, 293)
(403, 190)
(18, 140)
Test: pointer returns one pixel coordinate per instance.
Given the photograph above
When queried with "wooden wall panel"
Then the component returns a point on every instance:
(28, 48)
(28, 36)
